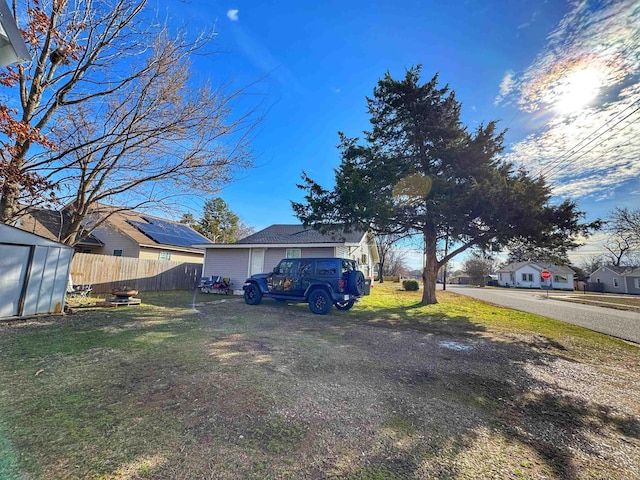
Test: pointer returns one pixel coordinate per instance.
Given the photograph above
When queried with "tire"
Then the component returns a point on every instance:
(319, 301)
(252, 295)
(345, 305)
(355, 282)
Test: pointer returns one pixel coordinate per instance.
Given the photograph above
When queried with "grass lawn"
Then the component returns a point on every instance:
(200, 387)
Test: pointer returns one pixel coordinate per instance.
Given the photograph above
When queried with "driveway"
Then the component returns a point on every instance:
(617, 323)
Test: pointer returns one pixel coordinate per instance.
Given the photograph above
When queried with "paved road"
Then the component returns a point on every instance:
(618, 323)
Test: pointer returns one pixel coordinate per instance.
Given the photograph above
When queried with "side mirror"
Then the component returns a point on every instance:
(275, 270)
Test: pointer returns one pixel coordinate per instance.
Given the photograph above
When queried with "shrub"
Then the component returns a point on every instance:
(410, 285)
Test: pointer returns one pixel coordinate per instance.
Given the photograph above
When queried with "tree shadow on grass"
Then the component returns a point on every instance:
(490, 382)
(436, 383)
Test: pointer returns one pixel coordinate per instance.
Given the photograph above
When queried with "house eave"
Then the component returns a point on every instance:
(224, 246)
(173, 248)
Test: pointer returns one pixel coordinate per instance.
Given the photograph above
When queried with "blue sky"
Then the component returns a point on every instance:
(562, 76)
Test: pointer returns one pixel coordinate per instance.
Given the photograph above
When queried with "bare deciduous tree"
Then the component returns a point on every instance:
(111, 113)
(386, 244)
(623, 245)
(396, 263)
(479, 266)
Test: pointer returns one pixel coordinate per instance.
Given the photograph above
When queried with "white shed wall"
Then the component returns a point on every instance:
(14, 260)
(34, 272)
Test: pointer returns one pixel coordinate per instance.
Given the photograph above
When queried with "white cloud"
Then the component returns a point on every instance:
(507, 85)
(594, 149)
(589, 154)
(604, 38)
(232, 15)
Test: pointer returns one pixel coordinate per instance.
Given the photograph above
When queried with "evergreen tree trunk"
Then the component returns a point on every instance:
(430, 272)
(429, 276)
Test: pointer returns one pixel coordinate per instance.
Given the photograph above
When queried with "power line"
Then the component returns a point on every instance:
(589, 139)
(574, 160)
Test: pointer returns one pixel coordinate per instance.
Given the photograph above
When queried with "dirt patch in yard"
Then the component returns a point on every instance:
(271, 391)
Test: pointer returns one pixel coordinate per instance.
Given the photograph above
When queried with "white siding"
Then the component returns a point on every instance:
(527, 270)
(342, 252)
(558, 285)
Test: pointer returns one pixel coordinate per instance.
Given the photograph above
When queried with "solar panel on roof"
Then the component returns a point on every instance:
(168, 233)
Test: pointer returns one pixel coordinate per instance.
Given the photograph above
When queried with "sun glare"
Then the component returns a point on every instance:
(576, 90)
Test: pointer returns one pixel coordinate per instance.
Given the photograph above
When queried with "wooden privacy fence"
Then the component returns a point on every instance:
(105, 273)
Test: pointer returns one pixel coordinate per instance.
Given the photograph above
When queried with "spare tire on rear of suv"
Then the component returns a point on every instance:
(355, 282)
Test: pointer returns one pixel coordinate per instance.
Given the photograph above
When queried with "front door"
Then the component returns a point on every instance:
(257, 261)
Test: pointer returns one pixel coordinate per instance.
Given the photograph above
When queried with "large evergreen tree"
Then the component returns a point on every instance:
(420, 171)
(218, 223)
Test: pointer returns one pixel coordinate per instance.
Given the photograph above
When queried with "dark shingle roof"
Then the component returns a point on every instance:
(49, 224)
(284, 234)
(624, 270)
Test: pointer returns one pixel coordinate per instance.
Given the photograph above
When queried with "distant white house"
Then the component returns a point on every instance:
(527, 275)
(616, 280)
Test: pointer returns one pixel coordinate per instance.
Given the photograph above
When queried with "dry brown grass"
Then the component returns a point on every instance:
(388, 390)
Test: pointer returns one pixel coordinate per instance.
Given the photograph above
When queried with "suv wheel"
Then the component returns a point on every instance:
(319, 301)
(252, 294)
(355, 282)
(344, 305)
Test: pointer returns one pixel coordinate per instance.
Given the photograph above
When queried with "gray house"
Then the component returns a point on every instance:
(263, 250)
(613, 279)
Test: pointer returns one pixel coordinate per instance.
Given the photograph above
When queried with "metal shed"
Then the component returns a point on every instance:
(34, 273)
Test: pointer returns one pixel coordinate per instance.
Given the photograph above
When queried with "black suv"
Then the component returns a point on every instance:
(320, 282)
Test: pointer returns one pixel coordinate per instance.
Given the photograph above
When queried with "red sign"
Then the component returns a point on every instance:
(546, 274)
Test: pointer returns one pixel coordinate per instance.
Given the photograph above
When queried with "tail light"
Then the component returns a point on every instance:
(341, 284)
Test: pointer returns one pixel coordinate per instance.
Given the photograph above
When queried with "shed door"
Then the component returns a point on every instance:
(13, 268)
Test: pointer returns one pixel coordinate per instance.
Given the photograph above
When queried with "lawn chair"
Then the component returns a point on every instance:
(215, 284)
(78, 292)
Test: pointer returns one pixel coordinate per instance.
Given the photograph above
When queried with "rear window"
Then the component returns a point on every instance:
(326, 267)
(348, 266)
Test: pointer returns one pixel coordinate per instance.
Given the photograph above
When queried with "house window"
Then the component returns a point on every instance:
(293, 253)
(615, 282)
(363, 259)
(637, 280)
(117, 253)
(560, 279)
(527, 277)
(164, 256)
